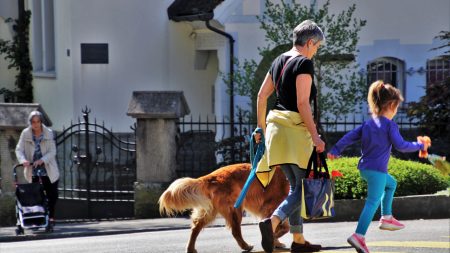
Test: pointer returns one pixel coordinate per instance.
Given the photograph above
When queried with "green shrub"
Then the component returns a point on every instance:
(413, 178)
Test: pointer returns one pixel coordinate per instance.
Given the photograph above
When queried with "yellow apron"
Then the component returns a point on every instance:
(287, 141)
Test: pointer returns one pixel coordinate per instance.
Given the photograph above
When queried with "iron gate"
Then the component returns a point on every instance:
(98, 170)
(203, 145)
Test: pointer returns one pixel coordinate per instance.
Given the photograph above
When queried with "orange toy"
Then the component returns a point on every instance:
(426, 141)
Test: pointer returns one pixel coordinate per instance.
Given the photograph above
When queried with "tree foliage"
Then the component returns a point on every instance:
(339, 84)
(17, 53)
(445, 37)
(433, 109)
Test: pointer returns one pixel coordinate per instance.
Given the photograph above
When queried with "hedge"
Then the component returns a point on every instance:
(413, 178)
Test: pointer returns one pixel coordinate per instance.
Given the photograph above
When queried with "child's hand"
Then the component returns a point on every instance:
(331, 156)
(426, 141)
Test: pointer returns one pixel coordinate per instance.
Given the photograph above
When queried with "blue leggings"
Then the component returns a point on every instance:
(380, 188)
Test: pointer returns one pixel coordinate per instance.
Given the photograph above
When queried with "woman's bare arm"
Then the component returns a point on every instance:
(267, 88)
(303, 84)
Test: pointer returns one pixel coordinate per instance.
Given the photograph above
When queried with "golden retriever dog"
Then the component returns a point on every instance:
(217, 192)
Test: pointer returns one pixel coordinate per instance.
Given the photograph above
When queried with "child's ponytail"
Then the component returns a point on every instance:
(381, 96)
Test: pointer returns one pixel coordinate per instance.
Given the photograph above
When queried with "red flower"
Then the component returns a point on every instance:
(336, 173)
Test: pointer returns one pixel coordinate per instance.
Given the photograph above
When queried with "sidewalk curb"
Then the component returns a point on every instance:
(404, 208)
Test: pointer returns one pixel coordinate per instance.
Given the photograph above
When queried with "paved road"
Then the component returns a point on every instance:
(420, 236)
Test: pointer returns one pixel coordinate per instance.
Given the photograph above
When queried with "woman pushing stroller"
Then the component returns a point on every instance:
(36, 150)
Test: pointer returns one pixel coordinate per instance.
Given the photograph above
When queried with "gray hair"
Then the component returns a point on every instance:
(305, 31)
(35, 114)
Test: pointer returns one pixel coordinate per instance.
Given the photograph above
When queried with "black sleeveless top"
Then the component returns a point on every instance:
(286, 87)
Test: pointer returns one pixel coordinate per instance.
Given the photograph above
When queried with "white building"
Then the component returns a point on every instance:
(137, 47)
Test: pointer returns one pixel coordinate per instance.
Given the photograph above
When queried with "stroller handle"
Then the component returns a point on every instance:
(15, 172)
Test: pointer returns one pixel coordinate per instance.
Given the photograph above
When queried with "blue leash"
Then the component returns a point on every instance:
(254, 158)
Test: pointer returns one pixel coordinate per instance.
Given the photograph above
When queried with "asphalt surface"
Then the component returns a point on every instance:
(169, 236)
(78, 229)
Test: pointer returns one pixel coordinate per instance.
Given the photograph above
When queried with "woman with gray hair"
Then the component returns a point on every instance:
(36, 150)
(290, 130)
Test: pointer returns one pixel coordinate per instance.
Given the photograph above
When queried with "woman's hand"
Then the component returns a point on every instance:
(26, 164)
(320, 145)
(257, 138)
(258, 134)
(38, 163)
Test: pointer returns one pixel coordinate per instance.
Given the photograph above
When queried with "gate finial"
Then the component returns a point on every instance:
(86, 110)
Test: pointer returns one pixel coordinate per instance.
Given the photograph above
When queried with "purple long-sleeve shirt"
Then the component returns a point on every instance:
(377, 136)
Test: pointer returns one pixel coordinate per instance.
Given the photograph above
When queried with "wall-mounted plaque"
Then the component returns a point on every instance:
(94, 53)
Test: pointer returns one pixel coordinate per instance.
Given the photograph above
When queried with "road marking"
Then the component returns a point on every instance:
(333, 251)
(411, 244)
(353, 251)
(399, 244)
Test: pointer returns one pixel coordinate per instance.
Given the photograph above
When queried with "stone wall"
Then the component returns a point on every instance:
(8, 141)
(7, 209)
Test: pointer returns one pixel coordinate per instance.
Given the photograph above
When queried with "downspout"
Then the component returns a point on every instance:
(231, 40)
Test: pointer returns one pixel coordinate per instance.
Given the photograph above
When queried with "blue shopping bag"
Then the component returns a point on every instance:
(317, 189)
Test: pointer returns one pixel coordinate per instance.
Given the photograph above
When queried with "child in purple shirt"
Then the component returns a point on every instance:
(377, 136)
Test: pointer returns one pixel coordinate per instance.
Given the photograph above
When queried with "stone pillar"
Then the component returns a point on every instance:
(156, 113)
(13, 119)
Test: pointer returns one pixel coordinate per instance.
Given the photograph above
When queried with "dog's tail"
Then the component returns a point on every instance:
(182, 194)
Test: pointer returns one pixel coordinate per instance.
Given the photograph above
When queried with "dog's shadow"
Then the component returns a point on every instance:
(287, 250)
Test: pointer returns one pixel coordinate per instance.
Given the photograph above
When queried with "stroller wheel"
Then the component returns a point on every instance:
(49, 228)
(19, 230)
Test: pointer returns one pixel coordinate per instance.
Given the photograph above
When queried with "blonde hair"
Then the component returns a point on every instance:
(381, 96)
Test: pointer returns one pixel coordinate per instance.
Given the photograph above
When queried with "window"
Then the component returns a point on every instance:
(43, 38)
(438, 70)
(388, 69)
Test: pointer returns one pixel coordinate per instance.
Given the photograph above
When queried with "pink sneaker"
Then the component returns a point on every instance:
(359, 243)
(392, 224)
